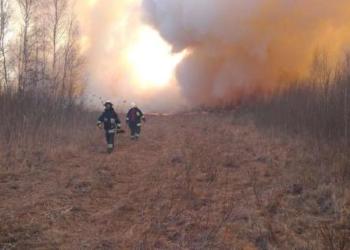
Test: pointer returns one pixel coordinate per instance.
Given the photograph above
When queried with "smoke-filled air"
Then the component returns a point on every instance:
(166, 53)
(237, 48)
(127, 60)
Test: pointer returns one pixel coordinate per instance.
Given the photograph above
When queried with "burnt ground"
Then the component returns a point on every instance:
(193, 181)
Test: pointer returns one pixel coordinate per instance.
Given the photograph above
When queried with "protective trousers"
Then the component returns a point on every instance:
(135, 129)
(110, 139)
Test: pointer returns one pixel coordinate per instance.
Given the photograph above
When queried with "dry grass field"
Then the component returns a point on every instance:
(193, 181)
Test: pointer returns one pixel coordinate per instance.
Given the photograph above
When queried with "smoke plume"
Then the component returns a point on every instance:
(239, 48)
(110, 30)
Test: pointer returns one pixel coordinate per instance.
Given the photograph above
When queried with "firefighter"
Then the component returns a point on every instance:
(109, 120)
(133, 119)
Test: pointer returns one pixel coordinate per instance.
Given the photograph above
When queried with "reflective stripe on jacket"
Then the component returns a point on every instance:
(134, 116)
(110, 119)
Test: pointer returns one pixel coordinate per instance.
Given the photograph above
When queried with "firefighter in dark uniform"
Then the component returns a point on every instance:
(109, 120)
(134, 118)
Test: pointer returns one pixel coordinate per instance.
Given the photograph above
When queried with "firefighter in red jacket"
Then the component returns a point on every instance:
(134, 118)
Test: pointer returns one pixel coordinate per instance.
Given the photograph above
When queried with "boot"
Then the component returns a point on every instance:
(110, 148)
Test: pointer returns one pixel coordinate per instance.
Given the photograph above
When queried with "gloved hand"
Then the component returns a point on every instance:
(144, 120)
(99, 125)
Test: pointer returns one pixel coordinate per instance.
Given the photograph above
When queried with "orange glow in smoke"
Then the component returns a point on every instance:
(151, 61)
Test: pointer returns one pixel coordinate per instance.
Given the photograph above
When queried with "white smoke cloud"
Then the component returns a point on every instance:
(110, 30)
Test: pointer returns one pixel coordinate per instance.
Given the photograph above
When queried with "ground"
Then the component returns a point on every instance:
(193, 181)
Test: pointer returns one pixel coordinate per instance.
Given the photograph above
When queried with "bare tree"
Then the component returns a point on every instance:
(27, 8)
(4, 23)
(72, 60)
(59, 14)
(46, 53)
(67, 54)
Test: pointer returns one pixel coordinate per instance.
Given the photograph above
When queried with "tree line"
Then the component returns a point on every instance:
(40, 48)
(317, 106)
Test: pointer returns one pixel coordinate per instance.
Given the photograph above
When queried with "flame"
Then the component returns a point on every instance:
(127, 59)
(151, 60)
(92, 3)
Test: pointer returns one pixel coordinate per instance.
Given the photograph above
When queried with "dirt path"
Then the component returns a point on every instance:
(192, 182)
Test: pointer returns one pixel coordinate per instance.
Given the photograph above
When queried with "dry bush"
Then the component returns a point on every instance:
(36, 122)
(317, 106)
(333, 238)
(316, 111)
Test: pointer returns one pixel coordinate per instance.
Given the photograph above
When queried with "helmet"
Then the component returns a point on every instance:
(108, 103)
(133, 105)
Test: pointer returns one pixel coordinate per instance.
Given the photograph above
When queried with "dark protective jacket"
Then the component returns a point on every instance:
(135, 116)
(110, 119)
